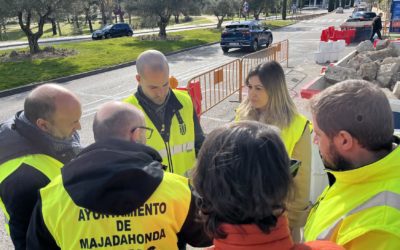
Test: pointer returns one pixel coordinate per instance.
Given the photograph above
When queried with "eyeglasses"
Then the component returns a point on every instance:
(149, 131)
(294, 167)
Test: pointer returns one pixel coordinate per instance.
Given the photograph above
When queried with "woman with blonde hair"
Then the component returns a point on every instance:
(269, 102)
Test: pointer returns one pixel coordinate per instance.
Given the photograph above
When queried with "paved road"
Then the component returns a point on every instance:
(173, 28)
(115, 85)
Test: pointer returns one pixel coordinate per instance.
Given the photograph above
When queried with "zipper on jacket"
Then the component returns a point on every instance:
(167, 147)
(171, 167)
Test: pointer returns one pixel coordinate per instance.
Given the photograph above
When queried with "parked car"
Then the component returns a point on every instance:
(245, 34)
(339, 10)
(361, 16)
(113, 30)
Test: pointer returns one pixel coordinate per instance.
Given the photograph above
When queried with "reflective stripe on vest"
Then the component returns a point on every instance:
(178, 153)
(385, 198)
(45, 164)
(177, 149)
(153, 225)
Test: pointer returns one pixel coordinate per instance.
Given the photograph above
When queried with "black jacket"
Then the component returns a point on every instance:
(113, 177)
(18, 191)
(172, 106)
(377, 23)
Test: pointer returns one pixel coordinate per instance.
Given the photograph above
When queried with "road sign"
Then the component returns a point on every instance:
(395, 16)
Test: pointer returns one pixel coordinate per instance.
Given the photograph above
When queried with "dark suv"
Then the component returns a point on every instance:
(361, 16)
(245, 34)
(113, 30)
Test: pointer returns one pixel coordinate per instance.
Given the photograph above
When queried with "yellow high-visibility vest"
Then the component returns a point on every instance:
(178, 154)
(362, 200)
(154, 224)
(292, 134)
(45, 164)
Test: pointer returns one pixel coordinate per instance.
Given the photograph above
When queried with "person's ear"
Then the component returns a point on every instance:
(42, 124)
(135, 136)
(138, 78)
(344, 141)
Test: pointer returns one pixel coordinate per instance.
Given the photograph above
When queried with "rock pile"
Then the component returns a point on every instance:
(380, 65)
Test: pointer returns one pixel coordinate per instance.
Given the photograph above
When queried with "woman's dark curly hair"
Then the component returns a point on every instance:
(242, 175)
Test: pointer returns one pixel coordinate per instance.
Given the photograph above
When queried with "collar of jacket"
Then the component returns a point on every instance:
(171, 107)
(171, 104)
(113, 176)
(22, 139)
(250, 236)
(376, 171)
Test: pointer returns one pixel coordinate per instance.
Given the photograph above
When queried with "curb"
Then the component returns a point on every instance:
(17, 90)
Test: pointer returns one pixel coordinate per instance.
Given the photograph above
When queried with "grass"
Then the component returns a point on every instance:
(272, 24)
(195, 21)
(276, 24)
(94, 55)
(14, 31)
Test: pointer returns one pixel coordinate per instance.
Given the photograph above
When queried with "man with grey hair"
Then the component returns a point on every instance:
(34, 146)
(115, 194)
(170, 113)
(360, 209)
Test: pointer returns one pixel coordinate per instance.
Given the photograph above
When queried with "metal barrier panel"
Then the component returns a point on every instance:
(218, 84)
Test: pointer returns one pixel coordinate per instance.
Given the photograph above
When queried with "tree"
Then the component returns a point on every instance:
(162, 10)
(90, 10)
(256, 6)
(3, 19)
(331, 5)
(131, 7)
(221, 9)
(28, 11)
(118, 11)
(271, 6)
(193, 7)
(284, 9)
(105, 9)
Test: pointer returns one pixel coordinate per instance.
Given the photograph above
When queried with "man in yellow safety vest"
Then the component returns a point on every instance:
(34, 146)
(177, 132)
(115, 194)
(360, 209)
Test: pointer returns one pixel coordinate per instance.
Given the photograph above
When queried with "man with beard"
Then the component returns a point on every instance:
(34, 146)
(360, 209)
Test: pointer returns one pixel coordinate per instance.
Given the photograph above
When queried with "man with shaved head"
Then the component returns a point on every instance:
(177, 132)
(34, 146)
(115, 194)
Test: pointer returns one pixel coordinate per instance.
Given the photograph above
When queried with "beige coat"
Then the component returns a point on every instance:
(299, 204)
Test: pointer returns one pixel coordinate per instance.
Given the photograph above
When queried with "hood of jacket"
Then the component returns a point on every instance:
(23, 138)
(113, 176)
(17, 145)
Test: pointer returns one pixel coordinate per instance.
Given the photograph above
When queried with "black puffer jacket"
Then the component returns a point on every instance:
(18, 191)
